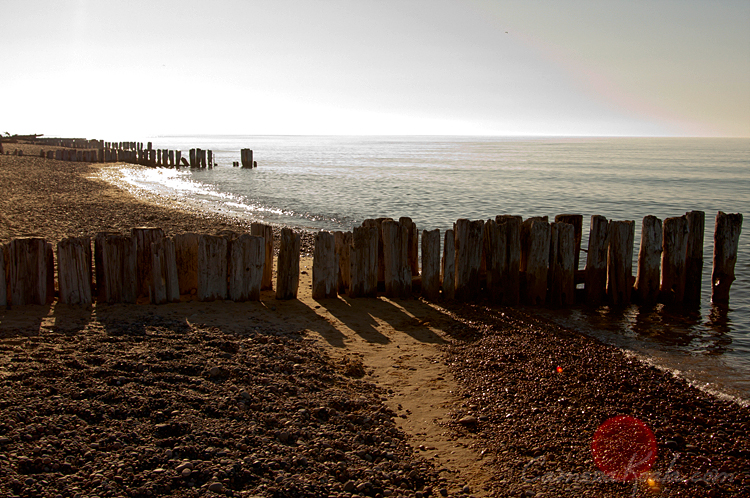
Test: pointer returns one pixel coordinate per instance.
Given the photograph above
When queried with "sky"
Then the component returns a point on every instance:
(117, 70)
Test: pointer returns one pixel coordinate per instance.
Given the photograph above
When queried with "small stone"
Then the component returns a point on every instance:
(443, 492)
(349, 486)
(468, 420)
(186, 473)
(466, 489)
(216, 487)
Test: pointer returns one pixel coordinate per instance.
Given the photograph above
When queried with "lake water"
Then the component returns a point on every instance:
(336, 182)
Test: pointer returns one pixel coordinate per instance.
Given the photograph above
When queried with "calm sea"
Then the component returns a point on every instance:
(336, 182)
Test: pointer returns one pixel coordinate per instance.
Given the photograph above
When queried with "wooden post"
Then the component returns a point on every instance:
(171, 159)
(203, 158)
(431, 264)
(649, 261)
(726, 242)
(396, 260)
(210, 159)
(31, 271)
(192, 158)
(144, 237)
(412, 244)
(265, 231)
(343, 241)
(177, 158)
(3, 273)
(164, 281)
(246, 262)
(363, 273)
(116, 280)
(468, 244)
(535, 243)
(562, 264)
(186, 255)
(495, 258)
(246, 156)
(596, 260)
(74, 270)
(381, 260)
(325, 266)
(212, 268)
(510, 230)
(694, 257)
(577, 221)
(449, 265)
(287, 267)
(674, 250)
(620, 262)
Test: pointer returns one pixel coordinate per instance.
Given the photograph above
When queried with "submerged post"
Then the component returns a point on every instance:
(694, 257)
(726, 241)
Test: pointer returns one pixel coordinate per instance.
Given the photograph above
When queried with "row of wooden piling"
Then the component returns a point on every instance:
(507, 260)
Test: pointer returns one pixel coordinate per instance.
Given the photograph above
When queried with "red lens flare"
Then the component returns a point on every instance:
(624, 448)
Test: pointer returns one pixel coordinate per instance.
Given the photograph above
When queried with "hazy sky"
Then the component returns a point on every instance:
(124, 70)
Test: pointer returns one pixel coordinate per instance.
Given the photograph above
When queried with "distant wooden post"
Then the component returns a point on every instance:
(144, 237)
(364, 262)
(246, 157)
(287, 267)
(647, 281)
(210, 159)
(177, 158)
(165, 287)
(449, 265)
(397, 272)
(562, 264)
(620, 262)
(186, 255)
(726, 241)
(694, 257)
(74, 270)
(431, 264)
(212, 268)
(265, 231)
(247, 258)
(535, 241)
(31, 271)
(325, 266)
(577, 221)
(3, 278)
(203, 158)
(192, 158)
(171, 159)
(596, 260)
(674, 250)
(116, 280)
(412, 244)
(343, 241)
(468, 243)
(509, 227)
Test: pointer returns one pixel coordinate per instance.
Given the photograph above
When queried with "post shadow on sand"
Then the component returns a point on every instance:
(351, 313)
(418, 326)
(22, 321)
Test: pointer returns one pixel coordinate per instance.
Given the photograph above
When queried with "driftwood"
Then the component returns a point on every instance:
(74, 270)
(674, 249)
(143, 238)
(343, 242)
(535, 240)
(325, 266)
(165, 287)
(212, 268)
(620, 262)
(186, 254)
(245, 266)
(468, 244)
(449, 265)
(116, 279)
(648, 277)
(364, 261)
(287, 267)
(596, 260)
(31, 271)
(397, 272)
(562, 264)
(694, 257)
(431, 264)
(265, 231)
(726, 241)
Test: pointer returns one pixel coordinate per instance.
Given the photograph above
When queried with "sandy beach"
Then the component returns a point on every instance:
(339, 397)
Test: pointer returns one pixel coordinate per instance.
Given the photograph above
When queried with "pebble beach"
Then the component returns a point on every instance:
(342, 397)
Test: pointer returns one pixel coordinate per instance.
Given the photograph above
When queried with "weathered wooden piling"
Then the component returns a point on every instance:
(535, 243)
(247, 259)
(562, 264)
(397, 273)
(193, 158)
(577, 221)
(449, 265)
(343, 241)
(210, 159)
(31, 271)
(186, 255)
(648, 277)
(726, 242)
(265, 231)
(596, 260)
(364, 261)
(212, 267)
(74, 270)
(116, 280)
(495, 258)
(325, 266)
(694, 257)
(178, 159)
(165, 287)
(412, 245)
(468, 244)
(287, 267)
(3, 275)
(431, 264)
(381, 261)
(144, 237)
(510, 275)
(674, 250)
(246, 158)
(620, 262)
